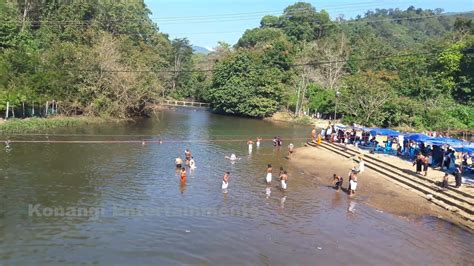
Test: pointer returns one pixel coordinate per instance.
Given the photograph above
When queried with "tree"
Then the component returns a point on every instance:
(333, 53)
(365, 96)
(300, 22)
(243, 85)
(182, 63)
(255, 36)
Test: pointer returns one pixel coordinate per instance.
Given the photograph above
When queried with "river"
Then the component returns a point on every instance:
(123, 204)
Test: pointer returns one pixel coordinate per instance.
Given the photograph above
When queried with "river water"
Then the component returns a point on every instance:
(123, 204)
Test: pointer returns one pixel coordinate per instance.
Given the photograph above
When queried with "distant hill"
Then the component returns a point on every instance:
(200, 50)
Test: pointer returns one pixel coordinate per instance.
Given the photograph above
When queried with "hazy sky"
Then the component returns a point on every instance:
(205, 22)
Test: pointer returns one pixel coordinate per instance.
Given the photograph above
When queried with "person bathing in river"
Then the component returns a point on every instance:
(275, 142)
(339, 180)
(284, 181)
(192, 163)
(279, 141)
(232, 157)
(225, 180)
(268, 178)
(353, 184)
(250, 143)
(258, 142)
(183, 175)
(351, 174)
(290, 150)
(187, 156)
(178, 162)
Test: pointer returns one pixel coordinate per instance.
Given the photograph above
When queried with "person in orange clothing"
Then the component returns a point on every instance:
(319, 139)
(183, 175)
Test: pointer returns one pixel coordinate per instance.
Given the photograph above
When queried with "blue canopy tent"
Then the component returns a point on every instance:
(465, 147)
(340, 126)
(417, 137)
(443, 141)
(384, 132)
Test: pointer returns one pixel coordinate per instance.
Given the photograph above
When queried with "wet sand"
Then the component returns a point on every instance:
(373, 188)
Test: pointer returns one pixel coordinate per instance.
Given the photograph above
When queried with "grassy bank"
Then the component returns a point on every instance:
(29, 125)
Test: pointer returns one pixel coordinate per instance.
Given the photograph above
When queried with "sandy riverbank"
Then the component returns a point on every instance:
(376, 190)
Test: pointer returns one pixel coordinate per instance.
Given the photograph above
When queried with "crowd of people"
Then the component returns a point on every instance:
(423, 156)
(277, 142)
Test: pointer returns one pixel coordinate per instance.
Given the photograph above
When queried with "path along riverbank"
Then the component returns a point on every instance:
(380, 188)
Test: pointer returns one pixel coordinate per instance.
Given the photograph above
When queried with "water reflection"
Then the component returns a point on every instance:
(182, 186)
(268, 191)
(282, 201)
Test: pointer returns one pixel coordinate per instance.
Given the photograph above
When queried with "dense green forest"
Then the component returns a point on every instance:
(388, 67)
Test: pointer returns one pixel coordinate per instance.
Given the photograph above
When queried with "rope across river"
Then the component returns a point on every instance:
(143, 141)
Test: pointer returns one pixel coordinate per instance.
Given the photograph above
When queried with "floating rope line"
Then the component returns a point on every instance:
(143, 142)
(118, 135)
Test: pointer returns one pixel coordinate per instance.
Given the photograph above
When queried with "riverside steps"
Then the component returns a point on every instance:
(458, 201)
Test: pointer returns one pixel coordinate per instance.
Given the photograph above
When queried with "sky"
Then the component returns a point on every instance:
(206, 22)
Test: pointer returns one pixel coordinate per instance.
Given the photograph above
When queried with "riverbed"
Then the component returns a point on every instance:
(123, 203)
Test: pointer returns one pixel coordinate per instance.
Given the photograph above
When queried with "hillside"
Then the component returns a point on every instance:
(200, 50)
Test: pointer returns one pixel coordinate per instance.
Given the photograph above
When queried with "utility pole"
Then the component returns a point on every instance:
(335, 107)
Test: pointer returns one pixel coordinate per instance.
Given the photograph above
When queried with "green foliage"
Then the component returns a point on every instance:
(265, 35)
(321, 100)
(301, 22)
(82, 54)
(366, 95)
(243, 85)
(90, 62)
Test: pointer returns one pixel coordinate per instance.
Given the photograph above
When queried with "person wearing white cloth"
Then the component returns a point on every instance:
(268, 178)
(353, 184)
(232, 157)
(250, 143)
(284, 180)
(361, 167)
(192, 163)
(225, 180)
(258, 142)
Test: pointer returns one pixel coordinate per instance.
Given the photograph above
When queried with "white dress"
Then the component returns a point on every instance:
(283, 184)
